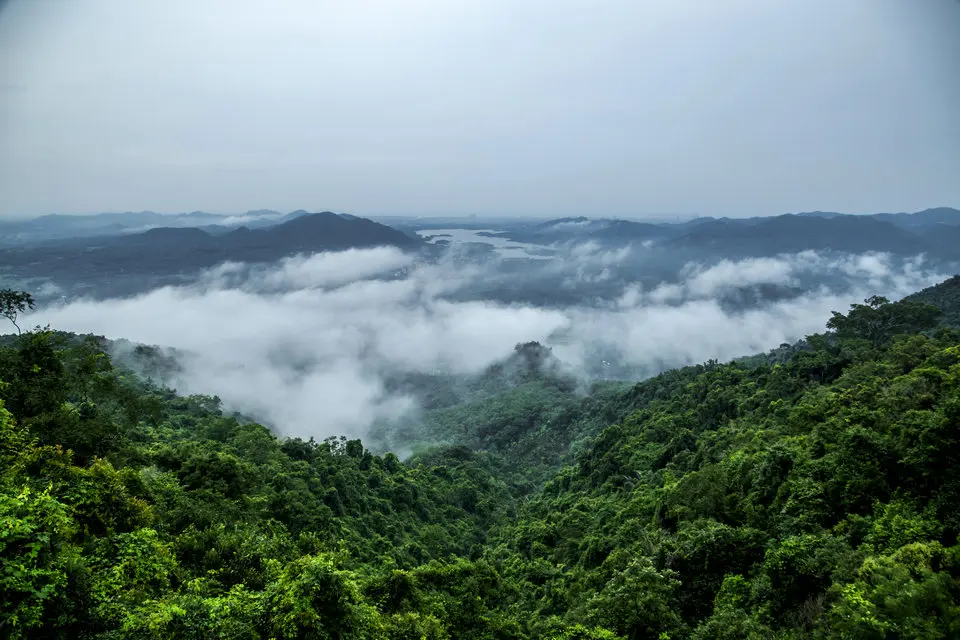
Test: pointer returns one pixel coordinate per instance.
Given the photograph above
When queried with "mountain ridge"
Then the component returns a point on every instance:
(175, 250)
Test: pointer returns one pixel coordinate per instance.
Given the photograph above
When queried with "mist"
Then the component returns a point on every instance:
(306, 345)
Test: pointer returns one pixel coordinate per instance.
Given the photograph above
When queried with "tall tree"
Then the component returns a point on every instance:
(878, 319)
(13, 303)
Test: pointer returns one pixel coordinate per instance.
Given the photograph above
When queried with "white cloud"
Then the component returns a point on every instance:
(305, 345)
(704, 282)
(333, 269)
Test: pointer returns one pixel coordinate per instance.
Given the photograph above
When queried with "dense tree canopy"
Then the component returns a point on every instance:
(809, 494)
(878, 321)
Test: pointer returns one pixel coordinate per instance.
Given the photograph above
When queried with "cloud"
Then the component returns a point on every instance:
(588, 263)
(233, 221)
(590, 253)
(575, 225)
(321, 270)
(705, 282)
(683, 323)
(47, 289)
(306, 344)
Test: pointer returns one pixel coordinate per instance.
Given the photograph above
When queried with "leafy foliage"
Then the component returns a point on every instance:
(877, 320)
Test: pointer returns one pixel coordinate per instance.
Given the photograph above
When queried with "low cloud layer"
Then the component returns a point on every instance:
(305, 345)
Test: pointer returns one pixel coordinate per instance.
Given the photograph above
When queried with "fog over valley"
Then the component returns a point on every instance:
(306, 344)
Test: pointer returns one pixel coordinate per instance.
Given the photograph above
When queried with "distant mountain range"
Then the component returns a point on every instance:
(932, 231)
(165, 251)
(58, 226)
(105, 255)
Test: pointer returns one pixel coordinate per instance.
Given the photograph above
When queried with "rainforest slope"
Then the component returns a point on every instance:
(811, 494)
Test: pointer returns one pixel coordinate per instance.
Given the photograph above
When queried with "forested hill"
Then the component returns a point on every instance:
(810, 498)
(945, 296)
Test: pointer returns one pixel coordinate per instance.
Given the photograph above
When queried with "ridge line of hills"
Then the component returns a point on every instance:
(166, 251)
(60, 226)
(131, 263)
(933, 231)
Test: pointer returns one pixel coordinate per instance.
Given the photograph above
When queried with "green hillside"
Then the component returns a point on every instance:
(805, 496)
(946, 296)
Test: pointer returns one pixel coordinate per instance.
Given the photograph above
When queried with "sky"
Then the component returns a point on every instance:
(491, 107)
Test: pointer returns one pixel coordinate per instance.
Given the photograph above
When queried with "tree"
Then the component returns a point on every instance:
(638, 602)
(878, 319)
(38, 381)
(908, 594)
(314, 599)
(13, 303)
(35, 559)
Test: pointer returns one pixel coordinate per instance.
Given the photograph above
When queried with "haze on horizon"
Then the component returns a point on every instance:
(494, 107)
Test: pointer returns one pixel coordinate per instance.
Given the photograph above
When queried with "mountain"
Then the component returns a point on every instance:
(934, 216)
(167, 237)
(794, 233)
(329, 231)
(932, 231)
(55, 227)
(901, 233)
(940, 239)
(167, 251)
(629, 231)
(581, 229)
(820, 214)
(940, 215)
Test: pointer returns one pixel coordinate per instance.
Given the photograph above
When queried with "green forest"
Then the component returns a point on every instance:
(810, 492)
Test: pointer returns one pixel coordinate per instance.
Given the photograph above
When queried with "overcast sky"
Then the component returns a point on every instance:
(538, 107)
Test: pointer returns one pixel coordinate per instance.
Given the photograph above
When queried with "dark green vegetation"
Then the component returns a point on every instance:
(529, 410)
(946, 296)
(810, 494)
